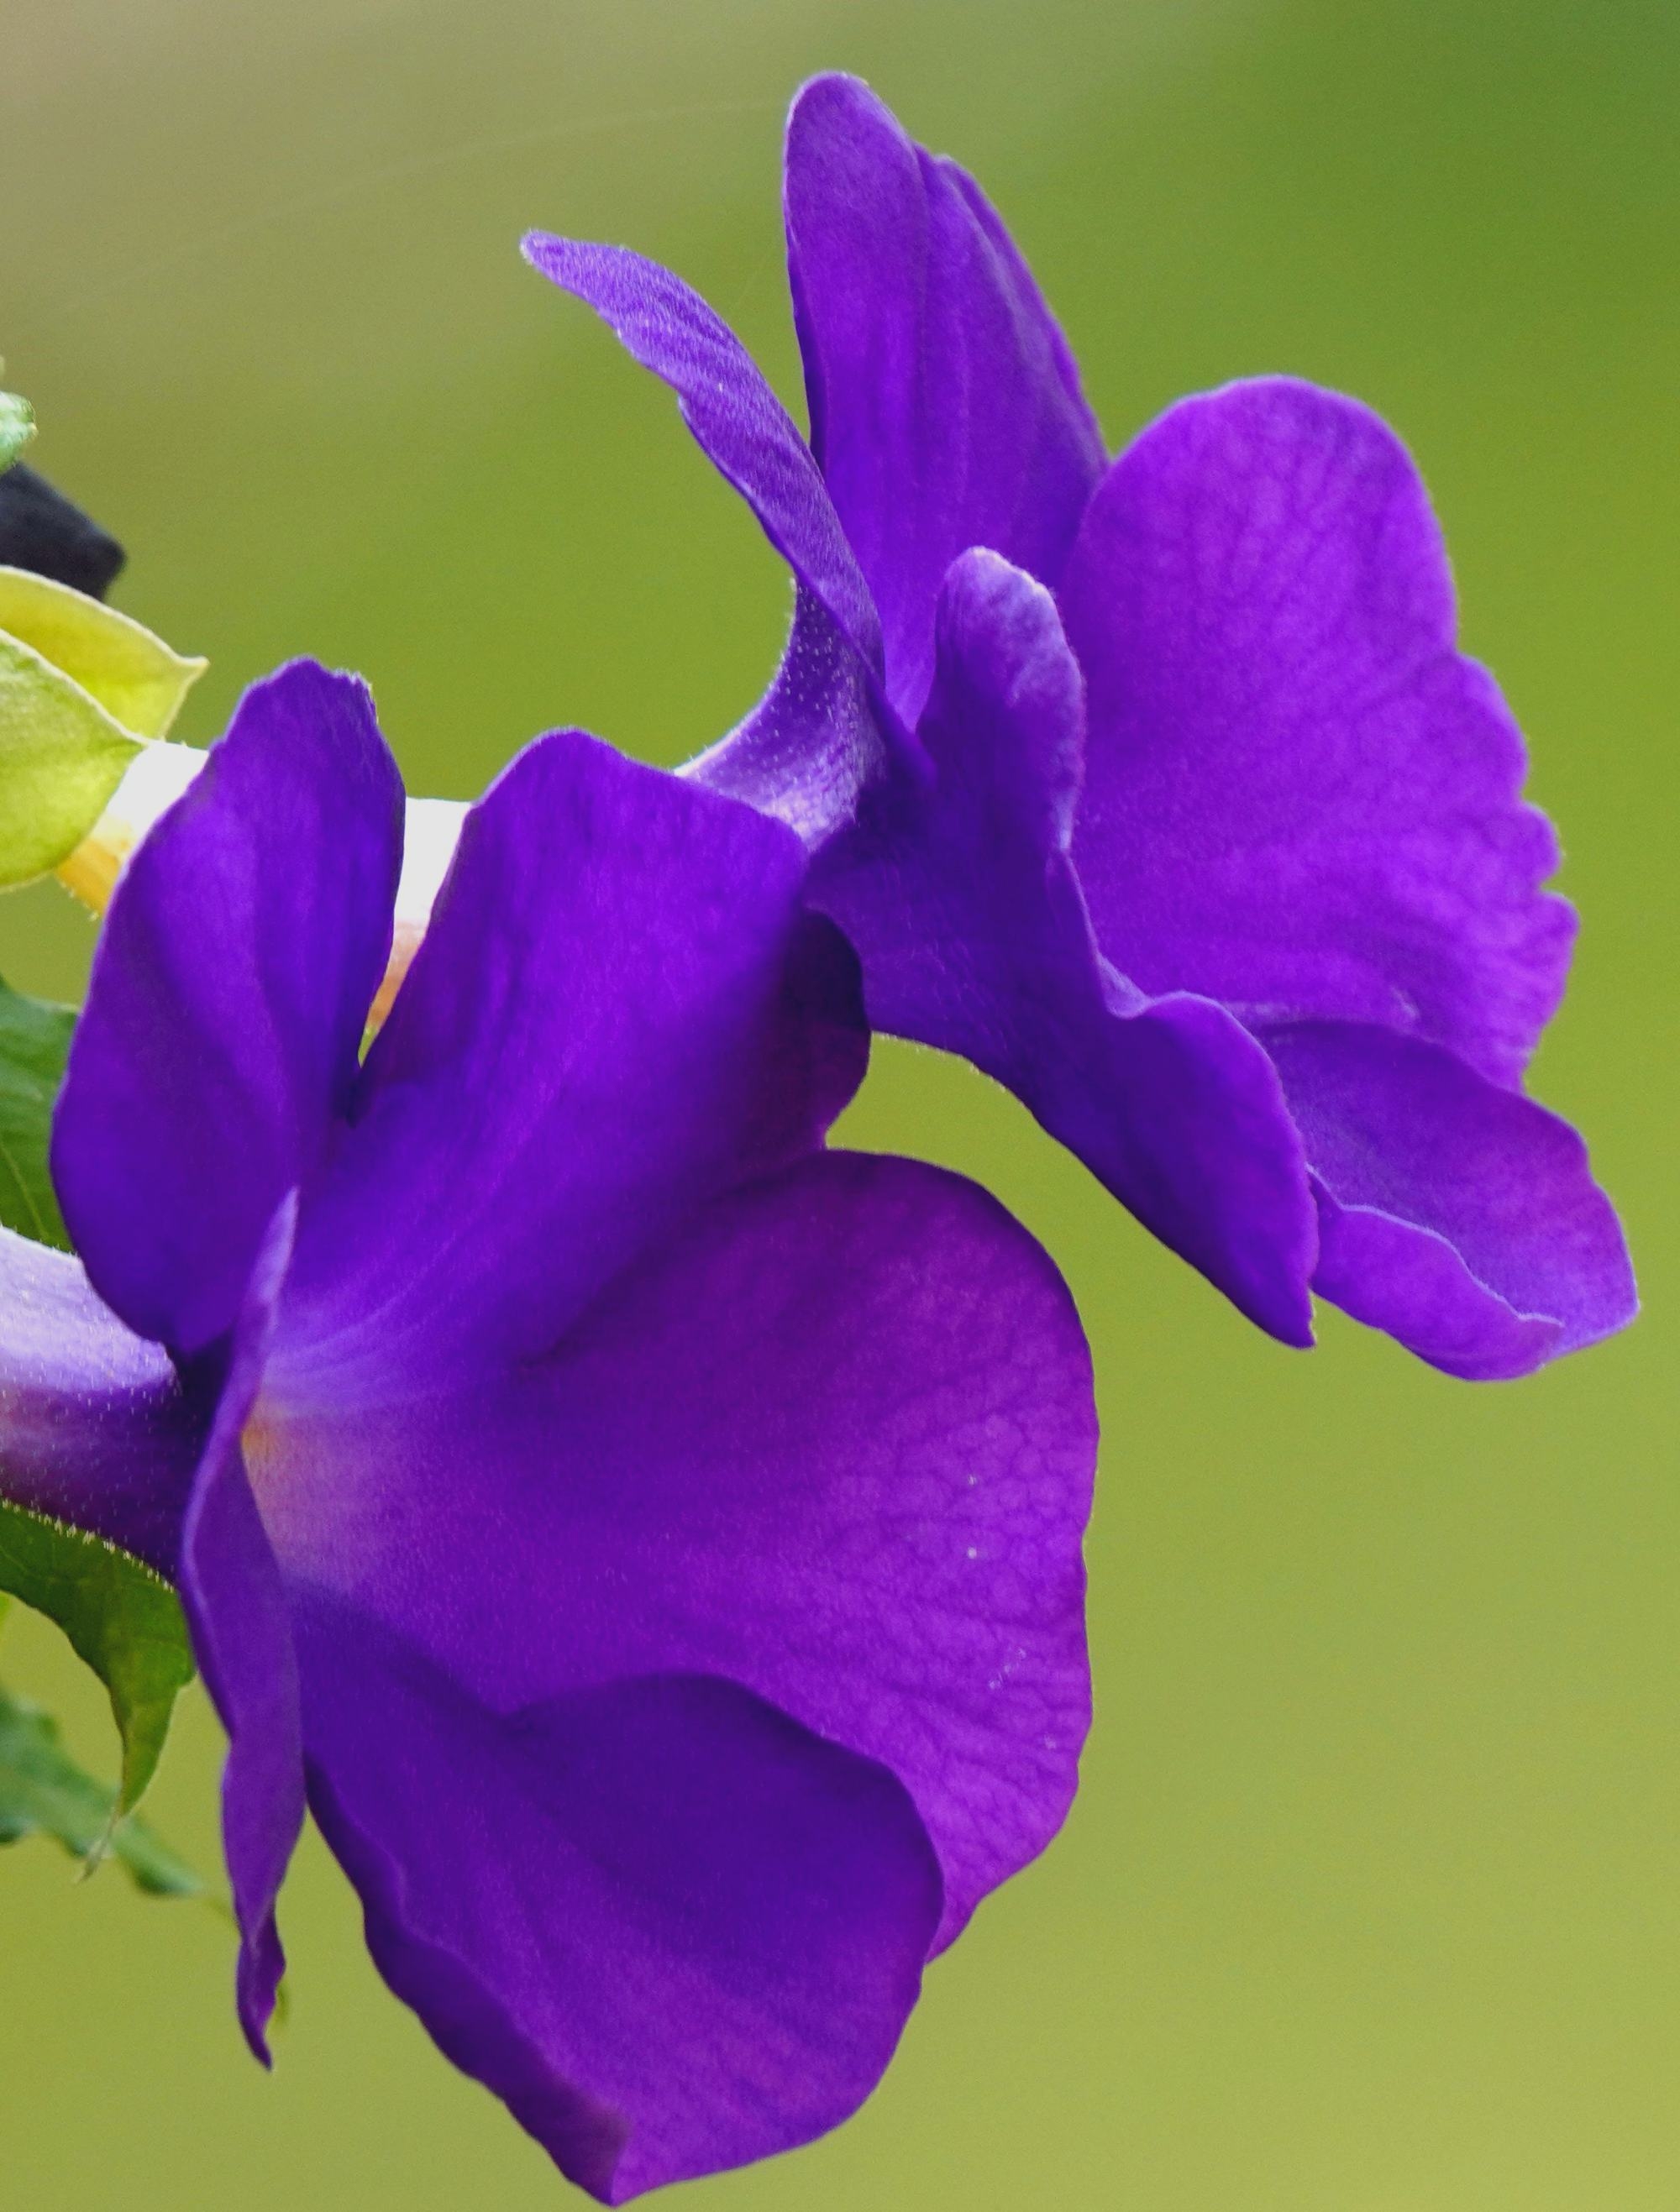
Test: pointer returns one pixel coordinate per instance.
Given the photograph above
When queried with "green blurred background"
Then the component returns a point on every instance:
(1371, 1901)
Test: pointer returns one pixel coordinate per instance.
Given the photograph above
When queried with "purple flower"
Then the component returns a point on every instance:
(651, 1542)
(1173, 805)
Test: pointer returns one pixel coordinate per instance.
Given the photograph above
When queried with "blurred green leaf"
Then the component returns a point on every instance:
(34, 1040)
(44, 1792)
(17, 427)
(126, 1623)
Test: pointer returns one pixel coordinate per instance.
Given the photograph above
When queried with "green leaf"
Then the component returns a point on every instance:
(17, 427)
(44, 1792)
(118, 662)
(35, 1039)
(119, 1617)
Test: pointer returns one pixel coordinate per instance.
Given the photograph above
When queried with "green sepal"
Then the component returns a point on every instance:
(61, 759)
(34, 1040)
(82, 688)
(17, 427)
(44, 1792)
(139, 680)
(120, 1618)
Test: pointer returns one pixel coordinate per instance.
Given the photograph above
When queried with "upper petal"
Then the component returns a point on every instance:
(810, 746)
(945, 410)
(619, 1009)
(737, 420)
(673, 1930)
(229, 990)
(1301, 798)
(834, 1444)
(1459, 1217)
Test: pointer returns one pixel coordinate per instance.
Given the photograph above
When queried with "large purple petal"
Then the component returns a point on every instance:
(619, 1009)
(958, 890)
(242, 1635)
(671, 1928)
(736, 419)
(229, 991)
(1301, 798)
(1458, 1216)
(945, 410)
(94, 1427)
(834, 1444)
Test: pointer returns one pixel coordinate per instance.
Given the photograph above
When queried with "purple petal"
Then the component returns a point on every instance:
(1460, 1217)
(94, 1427)
(834, 1444)
(618, 1009)
(805, 752)
(736, 419)
(1301, 798)
(815, 742)
(945, 410)
(1410, 1282)
(673, 1930)
(242, 1633)
(229, 990)
(962, 902)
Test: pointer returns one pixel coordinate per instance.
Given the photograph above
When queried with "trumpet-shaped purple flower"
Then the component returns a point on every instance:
(1173, 805)
(650, 1541)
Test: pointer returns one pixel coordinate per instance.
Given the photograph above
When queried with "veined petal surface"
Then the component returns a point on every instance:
(834, 1444)
(1301, 798)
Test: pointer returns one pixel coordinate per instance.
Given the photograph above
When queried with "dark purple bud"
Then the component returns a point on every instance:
(42, 531)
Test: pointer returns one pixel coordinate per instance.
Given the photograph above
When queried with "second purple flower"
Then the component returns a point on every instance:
(1158, 788)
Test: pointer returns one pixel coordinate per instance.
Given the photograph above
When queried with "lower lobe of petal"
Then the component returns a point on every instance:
(835, 1442)
(673, 1929)
(1404, 1134)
